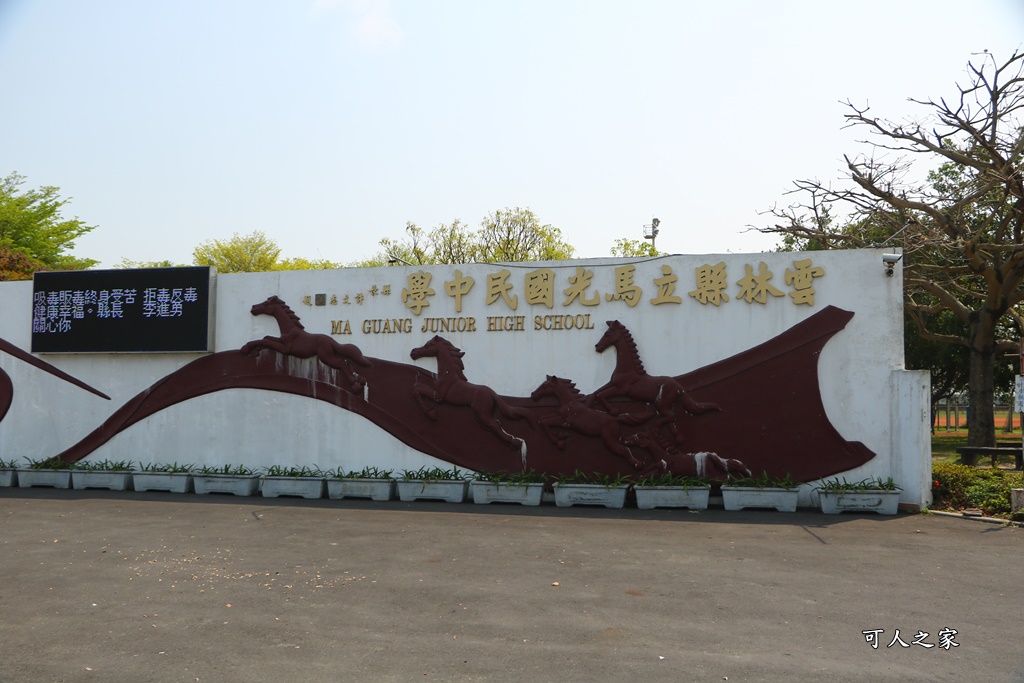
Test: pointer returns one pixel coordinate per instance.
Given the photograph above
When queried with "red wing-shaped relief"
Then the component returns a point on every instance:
(772, 417)
(761, 407)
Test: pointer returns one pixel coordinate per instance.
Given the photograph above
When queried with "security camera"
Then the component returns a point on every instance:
(890, 261)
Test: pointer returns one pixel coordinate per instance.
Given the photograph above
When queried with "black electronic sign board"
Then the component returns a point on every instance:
(147, 310)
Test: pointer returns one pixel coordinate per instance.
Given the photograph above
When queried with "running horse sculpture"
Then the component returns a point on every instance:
(452, 387)
(575, 414)
(296, 341)
(629, 379)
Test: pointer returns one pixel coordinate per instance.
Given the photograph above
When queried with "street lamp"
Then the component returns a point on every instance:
(651, 231)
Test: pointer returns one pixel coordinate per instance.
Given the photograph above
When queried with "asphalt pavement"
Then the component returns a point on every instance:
(132, 587)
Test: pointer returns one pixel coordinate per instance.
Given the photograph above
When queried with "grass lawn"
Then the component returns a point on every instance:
(944, 445)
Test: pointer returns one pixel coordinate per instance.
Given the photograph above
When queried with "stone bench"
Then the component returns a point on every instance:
(969, 454)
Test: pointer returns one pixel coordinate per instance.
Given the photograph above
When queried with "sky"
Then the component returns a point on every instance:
(330, 124)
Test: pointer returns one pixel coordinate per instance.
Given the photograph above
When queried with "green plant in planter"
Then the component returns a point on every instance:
(165, 468)
(433, 474)
(869, 484)
(365, 473)
(296, 472)
(8, 464)
(595, 478)
(523, 478)
(105, 466)
(763, 481)
(238, 470)
(49, 464)
(669, 479)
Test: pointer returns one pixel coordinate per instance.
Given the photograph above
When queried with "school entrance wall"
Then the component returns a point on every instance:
(785, 363)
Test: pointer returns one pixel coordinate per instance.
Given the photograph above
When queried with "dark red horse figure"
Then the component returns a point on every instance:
(452, 387)
(295, 341)
(630, 380)
(573, 413)
(670, 460)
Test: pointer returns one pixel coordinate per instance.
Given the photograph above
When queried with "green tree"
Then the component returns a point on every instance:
(506, 235)
(962, 230)
(32, 224)
(14, 265)
(128, 264)
(250, 253)
(299, 263)
(516, 235)
(626, 248)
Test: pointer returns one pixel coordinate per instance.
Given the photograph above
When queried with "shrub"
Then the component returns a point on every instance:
(959, 486)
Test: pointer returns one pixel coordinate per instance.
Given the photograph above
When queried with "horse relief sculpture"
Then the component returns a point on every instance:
(296, 341)
(630, 380)
(633, 424)
(669, 459)
(451, 386)
(574, 414)
(651, 447)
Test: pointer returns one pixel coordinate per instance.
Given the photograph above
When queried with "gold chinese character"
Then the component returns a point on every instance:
(360, 298)
(711, 284)
(580, 281)
(625, 289)
(344, 299)
(540, 287)
(756, 287)
(308, 300)
(415, 295)
(802, 279)
(666, 287)
(334, 299)
(497, 285)
(386, 290)
(373, 290)
(458, 288)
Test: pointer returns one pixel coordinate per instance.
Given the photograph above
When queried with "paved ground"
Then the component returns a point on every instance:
(130, 587)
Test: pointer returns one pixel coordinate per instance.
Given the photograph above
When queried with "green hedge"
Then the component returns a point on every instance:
(956, 487)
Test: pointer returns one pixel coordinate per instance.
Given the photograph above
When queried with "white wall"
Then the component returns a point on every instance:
(867, 394)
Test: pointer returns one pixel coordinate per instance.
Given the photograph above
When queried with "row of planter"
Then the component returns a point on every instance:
(451, 490)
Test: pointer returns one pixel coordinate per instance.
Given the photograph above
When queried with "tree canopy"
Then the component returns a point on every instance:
(126, 263)
(505, 235)
(32, 226)
(251, 253)
(627, 248)
(959, 220)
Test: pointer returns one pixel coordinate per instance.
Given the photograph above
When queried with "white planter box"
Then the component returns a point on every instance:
(303, 487)
(740, 497)
(485, 492)
(8, 477)
(237, 484)
(882, 502)
(174, 482)
(692, 497)
(113, 480)
(590, 494)
(448, 490)
(58, 479)
(374, 489)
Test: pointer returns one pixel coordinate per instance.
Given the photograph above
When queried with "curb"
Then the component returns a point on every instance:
(989, 520)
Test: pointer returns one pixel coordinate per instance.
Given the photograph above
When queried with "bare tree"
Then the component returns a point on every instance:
(961, 222)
